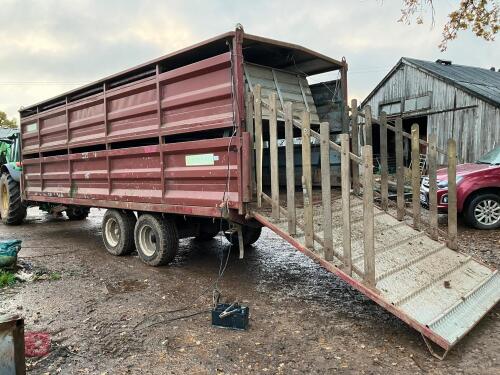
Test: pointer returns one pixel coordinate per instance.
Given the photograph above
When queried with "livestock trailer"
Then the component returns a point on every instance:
(168, 140)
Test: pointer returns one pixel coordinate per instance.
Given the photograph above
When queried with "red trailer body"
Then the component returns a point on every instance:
(167, 136)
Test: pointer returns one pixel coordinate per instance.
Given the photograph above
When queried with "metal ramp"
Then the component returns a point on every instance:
(440, 292)
(388, 252)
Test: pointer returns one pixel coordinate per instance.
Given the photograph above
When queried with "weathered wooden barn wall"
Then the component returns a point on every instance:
(475, 129)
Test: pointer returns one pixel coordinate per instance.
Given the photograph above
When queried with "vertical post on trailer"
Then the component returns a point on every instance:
(355, 146)
(384, 168)
(258, 141)
(326, 187)
(250, 128)
(433, 186)
(368, 217)
(273, 148)
(345, 172)
(415, 175)
(307, 180)
(290, 169)
(400, 170)
(452, 194)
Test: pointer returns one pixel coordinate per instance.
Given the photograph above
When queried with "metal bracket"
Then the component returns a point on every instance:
(431, 350)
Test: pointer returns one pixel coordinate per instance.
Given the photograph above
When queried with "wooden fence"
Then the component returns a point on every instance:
(357, 178)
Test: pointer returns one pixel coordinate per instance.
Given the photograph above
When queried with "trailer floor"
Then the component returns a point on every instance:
(303, 319)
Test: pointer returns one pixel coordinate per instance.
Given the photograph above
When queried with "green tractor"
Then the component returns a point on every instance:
(12, 208)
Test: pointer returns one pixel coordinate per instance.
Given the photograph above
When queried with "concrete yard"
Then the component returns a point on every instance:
(109, 315)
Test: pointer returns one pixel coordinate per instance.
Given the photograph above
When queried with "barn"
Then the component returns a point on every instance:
(451, 100)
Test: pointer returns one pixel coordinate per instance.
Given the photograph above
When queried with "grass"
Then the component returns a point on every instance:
(55, 276)
(6, 278)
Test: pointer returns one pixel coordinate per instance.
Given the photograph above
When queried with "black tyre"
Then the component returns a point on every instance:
(118, 232)
(250, 235)
(483, 211)
(208, 230)
(12, 209)
(75, 213)
(156, 239)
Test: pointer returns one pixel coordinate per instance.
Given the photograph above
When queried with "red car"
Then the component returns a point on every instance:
(478, 191)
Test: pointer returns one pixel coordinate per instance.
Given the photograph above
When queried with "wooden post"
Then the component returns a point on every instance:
(415, 175)
(384, 168)
(355, 146)
(452, 194)
(307, 180)
(326, 188)
(433, 186)
(368, 126)
(368, 217)
(290, 169)
(346, 201)
(258, 141)
(249, 124)
(273, 147)
(400, 170)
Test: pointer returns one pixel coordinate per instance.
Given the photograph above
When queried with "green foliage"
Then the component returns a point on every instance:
(55, 276)
(5, 122)
(482, 17)
(6, 278)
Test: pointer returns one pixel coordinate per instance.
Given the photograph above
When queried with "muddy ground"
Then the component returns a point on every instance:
(109, 315)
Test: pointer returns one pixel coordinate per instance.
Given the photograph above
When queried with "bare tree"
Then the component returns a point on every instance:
(479, 16)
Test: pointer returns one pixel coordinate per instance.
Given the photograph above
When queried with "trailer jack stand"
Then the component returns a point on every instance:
(431, 350)
(234, 227)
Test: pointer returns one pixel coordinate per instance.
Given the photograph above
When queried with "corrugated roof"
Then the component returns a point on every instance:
(7, 132)
(480, 82)
(484, 83)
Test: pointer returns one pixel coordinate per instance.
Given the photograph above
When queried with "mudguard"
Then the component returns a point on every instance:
(14, 173)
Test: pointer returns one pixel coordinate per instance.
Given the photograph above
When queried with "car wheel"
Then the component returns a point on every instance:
(483, 211)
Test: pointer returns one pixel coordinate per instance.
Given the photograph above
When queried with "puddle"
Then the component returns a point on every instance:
(125, 286)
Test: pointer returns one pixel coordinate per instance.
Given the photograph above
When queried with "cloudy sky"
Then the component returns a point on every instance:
(48, 46)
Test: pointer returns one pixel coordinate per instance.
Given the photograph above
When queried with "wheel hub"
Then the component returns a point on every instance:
(112, 232)
(487, 212)
(5, 199)
(147, 240)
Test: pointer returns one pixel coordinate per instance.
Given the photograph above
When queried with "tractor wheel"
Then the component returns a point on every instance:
(77, 213)
(13, 210)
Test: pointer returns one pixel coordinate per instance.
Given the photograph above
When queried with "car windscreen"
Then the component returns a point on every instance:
(492, 157)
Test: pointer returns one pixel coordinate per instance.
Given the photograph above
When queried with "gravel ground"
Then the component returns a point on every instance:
(110, 315)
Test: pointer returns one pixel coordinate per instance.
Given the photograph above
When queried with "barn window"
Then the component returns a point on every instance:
(391, 108)
(418, 103)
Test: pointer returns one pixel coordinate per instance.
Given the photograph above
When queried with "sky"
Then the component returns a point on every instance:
(49, 47)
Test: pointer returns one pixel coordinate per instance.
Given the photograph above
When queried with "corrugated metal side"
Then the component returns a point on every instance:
(193, 98)
(475, 129)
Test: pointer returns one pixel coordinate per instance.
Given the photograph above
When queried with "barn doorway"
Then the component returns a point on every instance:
(422, 127)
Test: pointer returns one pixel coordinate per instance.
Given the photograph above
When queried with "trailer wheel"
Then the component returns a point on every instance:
(250, 235)
(77, 213)
(156, 239)
(118, 231)
(12, 209)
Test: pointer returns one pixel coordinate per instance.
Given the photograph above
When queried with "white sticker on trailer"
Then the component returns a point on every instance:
(201, 159)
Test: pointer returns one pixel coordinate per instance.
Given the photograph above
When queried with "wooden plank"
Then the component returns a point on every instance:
(415, 175)
(326, 195)
(452, 194)
(433, 221)
(249, 124)
(368, 218)
(307, 180)
(290, 169)
(400, 170)
(368, 126)
(384, 168)
(258, 141)
(355, 146)
(273, 147)
(346, 202)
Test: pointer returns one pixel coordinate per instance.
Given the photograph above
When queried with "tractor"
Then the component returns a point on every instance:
(12, 208)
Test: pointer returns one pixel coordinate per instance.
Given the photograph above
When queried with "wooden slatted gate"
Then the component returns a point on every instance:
(343, 229)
